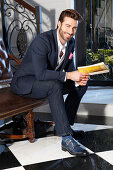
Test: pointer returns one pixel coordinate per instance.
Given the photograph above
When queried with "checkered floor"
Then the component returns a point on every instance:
(46, 154)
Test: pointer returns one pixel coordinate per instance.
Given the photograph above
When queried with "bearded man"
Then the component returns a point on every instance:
(48, 70)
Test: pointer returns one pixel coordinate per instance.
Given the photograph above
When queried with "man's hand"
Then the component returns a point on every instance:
(80, 78)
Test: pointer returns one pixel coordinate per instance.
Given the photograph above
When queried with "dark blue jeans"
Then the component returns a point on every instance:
(63, 113)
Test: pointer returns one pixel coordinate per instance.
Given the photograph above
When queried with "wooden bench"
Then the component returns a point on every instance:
(12, 104)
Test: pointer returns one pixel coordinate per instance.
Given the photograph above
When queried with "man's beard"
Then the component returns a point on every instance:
(61, 33)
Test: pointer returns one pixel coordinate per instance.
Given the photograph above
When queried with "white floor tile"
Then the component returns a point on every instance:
(89, 127)
(108, 156)
(44, 149)
(49, 148)
(16, 168)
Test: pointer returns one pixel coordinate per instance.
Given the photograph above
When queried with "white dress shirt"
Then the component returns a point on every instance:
(63, 49)
(60, 60)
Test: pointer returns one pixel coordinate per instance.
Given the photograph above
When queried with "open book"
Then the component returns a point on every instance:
(99, 68)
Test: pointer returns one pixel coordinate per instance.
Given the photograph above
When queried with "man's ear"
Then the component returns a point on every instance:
(59, 24)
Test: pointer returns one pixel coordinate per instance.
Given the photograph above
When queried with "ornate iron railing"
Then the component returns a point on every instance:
(20, 22)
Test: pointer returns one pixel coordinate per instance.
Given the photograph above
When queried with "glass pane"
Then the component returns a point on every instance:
(99, 35)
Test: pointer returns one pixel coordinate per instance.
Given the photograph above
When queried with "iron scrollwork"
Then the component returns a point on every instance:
(22, 42)
(21, 28)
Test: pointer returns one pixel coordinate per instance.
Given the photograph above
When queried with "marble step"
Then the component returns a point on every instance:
(98, 101)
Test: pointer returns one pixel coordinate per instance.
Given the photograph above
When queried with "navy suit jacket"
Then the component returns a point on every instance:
(40, 62)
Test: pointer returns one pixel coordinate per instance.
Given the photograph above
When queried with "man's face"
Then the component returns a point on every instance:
(67, 29)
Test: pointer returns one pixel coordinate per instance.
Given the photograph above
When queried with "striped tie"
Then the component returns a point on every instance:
(61, 54)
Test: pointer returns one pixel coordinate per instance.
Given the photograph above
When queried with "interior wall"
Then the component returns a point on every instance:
(50, 11)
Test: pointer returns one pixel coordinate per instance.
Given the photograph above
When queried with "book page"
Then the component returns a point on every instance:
(99, 68)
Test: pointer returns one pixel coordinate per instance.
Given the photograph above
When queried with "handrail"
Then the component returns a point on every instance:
(26, 5)
(14, 58)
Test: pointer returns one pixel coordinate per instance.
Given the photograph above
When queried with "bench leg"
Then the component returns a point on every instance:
(30, 124)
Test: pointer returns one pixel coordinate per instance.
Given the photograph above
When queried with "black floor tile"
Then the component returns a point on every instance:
(7, 159)
(92, 162)
(99, 140)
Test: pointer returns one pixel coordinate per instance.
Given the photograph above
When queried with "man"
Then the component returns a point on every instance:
(48, 70)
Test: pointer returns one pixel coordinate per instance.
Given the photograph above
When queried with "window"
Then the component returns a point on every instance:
(99, 35)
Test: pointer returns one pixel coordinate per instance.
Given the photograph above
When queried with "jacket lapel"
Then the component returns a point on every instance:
(55, 57)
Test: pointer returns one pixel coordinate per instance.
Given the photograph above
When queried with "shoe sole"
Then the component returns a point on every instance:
(76, 154)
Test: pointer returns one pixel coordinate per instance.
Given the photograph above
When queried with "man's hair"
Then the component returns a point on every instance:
(70, 13)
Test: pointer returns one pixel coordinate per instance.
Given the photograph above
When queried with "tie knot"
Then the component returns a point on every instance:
(61, 54)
